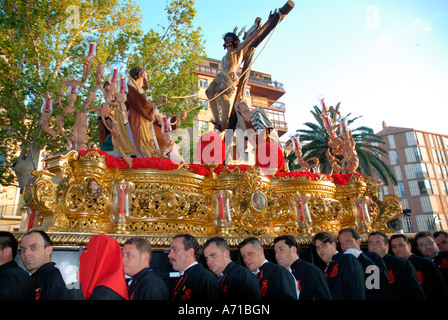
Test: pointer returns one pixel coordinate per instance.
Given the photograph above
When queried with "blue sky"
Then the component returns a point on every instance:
(383, 60)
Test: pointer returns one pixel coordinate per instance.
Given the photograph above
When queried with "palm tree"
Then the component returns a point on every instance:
(315, 144)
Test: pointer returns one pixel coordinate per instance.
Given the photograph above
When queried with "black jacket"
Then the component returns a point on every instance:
(15, 283)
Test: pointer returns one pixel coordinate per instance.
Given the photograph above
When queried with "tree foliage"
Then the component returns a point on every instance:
(43, 41)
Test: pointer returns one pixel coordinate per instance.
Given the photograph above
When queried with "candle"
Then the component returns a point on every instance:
(122, 85)
(296, 142)
(31, 220)
(327, 121)
(361, 210)
(121, 199)
(324, 108)
(165, 124)
(221, 206)
(91, 48)
(115, 74)
(344, 126)
(300, 209)
(48, 104)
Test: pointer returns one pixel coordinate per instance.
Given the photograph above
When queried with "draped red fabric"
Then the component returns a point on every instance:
(101, 264)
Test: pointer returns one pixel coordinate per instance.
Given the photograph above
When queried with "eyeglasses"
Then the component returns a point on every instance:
(32, 248)
(423, 244)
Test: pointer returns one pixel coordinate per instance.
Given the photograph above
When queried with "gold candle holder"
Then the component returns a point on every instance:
(362, 217)
(223, 217)
(302, 213)
(120, 214)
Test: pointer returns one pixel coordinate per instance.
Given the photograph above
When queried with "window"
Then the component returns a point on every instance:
(393, 157)
(410, 138)
(410, 155)
(425, 203)
(407, 224)
(399, 190)
(203, 83)
(425, 222)
(443, 187)
(391, 141)
(414, 188)
(398, 174)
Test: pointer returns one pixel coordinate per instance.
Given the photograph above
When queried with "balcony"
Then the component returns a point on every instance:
(253, 78)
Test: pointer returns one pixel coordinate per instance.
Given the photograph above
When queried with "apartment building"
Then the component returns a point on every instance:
(261, 91)
(419, 161)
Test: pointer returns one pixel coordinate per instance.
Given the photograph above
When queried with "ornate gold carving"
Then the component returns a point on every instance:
(165, 203)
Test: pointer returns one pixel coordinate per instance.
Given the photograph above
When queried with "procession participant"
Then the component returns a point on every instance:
(441, 238)
(101, 270)
(144, 284)
(195, 282)
(344, 273)
(15, 283)
(310, 279)
(142, 133)
(35, 252)
(350, 242)
(403, 280)
(427, 247)
(276, 283)
(428, 274)
(235, 282)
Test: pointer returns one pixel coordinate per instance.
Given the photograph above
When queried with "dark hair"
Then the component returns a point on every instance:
(136, 72)
(45, 237)
(324, 237)
(236, 40)
(289, 241)
(250, 240)
(378, 233)
(221, 243)
(141, 244)
(7, 240)
(190, 242)
(353, 231)
(396, 236)
(422, 234)
(440, 233)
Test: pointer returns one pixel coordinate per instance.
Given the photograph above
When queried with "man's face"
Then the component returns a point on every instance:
(427, 247)
(179, 257)
(376, 244)
(400, 248)
(284, 254)
(216, 260)
(253, 257)
(442, 242)
(33, 253)
(325, 250)
(347, 241)
(133, 260)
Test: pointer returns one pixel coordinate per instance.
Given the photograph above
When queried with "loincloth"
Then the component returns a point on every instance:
(227, 82)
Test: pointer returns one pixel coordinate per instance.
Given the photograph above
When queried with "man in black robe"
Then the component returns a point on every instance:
(276, 283)
(311, 282)
(375, 271)
(428, 274)
(15, 283)
(35, 251)
(195, 282)
(144, 284)
(426, 245)
(344, 273)
(403, 280)
(235, 282)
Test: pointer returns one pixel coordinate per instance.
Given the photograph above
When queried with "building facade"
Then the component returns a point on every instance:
(261, 91)
(419, 161)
